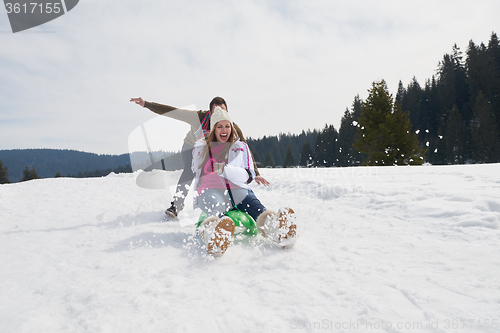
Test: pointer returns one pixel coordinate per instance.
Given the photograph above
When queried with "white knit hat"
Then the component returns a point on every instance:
(218, 115)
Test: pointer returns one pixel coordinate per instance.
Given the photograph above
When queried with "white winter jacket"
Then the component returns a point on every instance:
(239, 169)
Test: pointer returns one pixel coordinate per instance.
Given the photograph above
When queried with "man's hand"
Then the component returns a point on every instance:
(138, 100)
(261, 181)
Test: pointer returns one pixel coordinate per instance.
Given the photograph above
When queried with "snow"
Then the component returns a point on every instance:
(379, 249)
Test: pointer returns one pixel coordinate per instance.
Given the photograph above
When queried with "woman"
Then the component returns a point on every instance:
(200, 124)
(223, 168)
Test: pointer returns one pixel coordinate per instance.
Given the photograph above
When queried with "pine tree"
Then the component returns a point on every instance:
(325, 150)
(401, 92)
(30, 174)
(4, 174)
(58, 175)
(332, 137)
(306, 156)
(494, 54)
(412, 102)
(384, 131)
(269, 160)
(289, 158)
(26, 174)
(437, 149)
(455, 138)
(373, 131)
(346, 127)
(319, 150)
(485, 134)
(452, 83)
(405, 148)
(347, 155)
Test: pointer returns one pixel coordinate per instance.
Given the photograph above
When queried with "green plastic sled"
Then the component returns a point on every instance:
(244, 223)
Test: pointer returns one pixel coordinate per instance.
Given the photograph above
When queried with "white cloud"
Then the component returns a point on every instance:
(283, 66)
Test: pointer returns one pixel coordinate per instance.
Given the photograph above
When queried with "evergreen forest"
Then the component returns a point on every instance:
(455, 116)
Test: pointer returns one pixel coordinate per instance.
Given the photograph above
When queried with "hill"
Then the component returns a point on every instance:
(379, 249)
(48, 162)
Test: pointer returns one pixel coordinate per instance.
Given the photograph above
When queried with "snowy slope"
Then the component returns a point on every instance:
(394, 249)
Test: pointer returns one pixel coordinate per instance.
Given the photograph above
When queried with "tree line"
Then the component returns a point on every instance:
(31, 174)
(453, 119)
(26, 164)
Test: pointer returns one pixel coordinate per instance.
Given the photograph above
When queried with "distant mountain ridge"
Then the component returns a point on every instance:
(48, 162)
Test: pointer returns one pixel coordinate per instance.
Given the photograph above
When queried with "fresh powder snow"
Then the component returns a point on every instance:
(379, 249)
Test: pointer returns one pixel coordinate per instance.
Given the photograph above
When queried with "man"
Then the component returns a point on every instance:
(200, 127)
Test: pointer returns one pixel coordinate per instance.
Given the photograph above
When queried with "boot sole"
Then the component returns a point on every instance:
(170, 215)
(223, 236)
(287, 227)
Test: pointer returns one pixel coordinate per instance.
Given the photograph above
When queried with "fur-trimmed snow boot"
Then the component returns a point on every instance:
(281, 228)
(217, 234)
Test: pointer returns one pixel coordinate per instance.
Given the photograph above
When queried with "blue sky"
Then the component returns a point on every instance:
(283, 66)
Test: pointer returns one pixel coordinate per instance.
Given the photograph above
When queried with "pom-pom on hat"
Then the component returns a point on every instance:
(218, 115)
